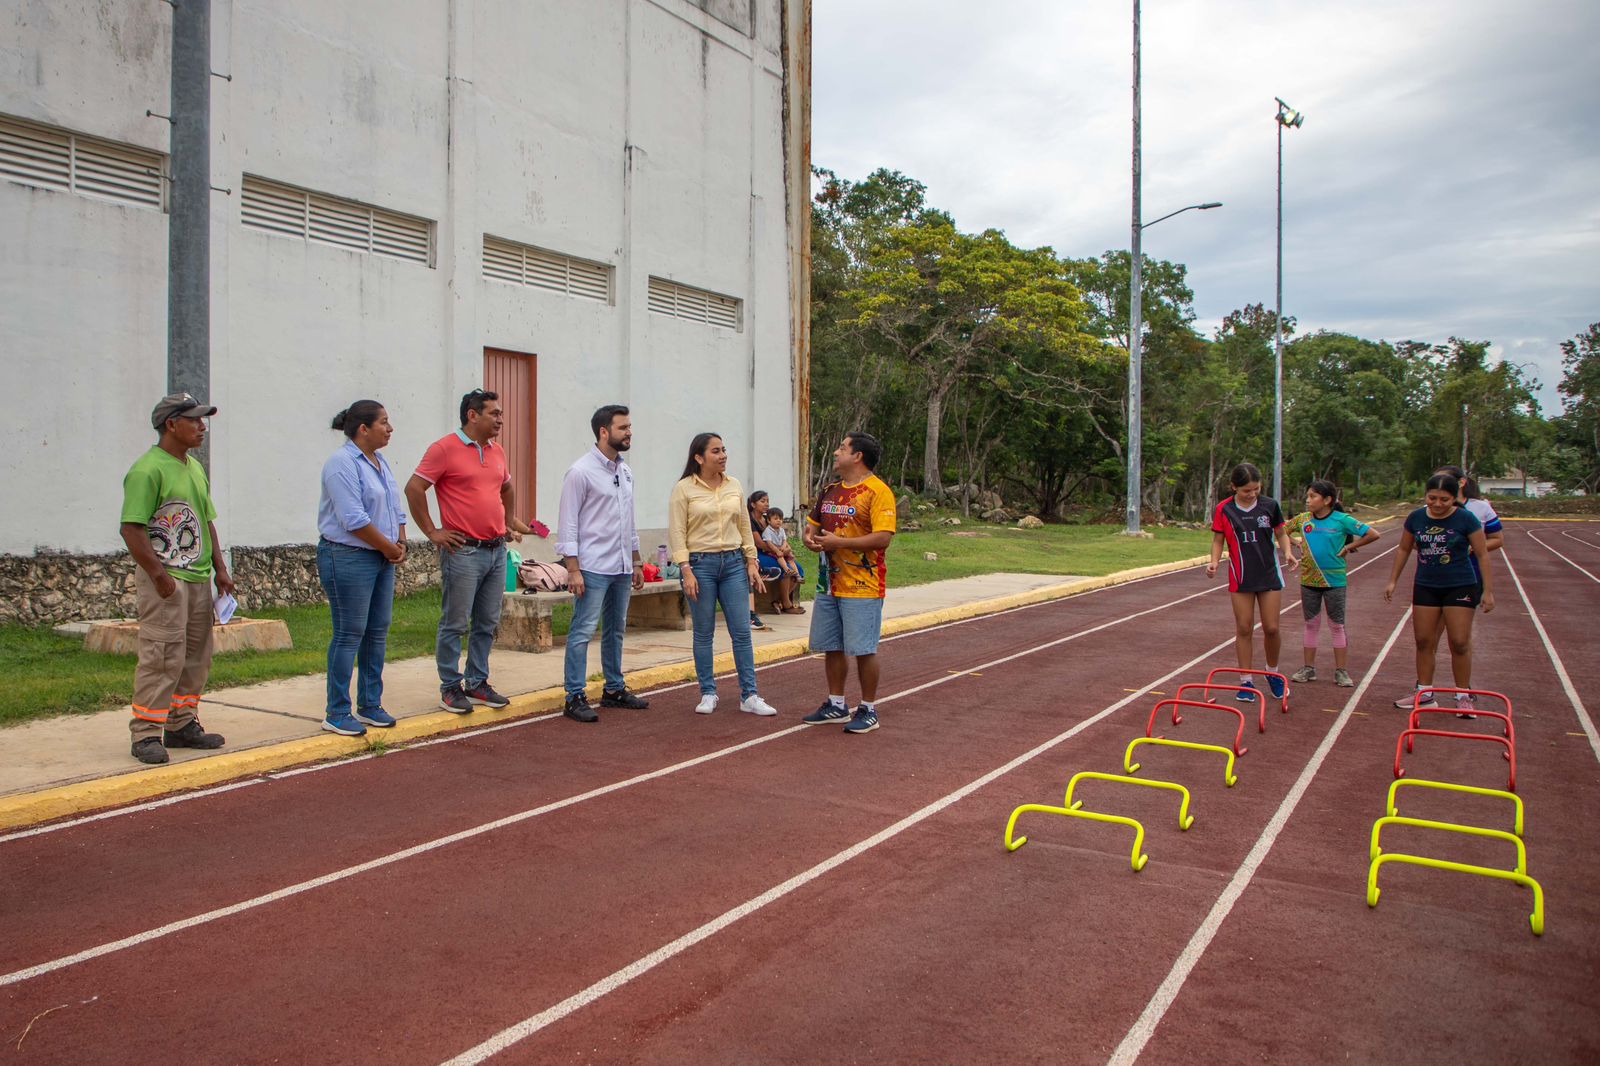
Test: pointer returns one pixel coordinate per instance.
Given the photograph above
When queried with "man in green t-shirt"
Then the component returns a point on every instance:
(168, 524)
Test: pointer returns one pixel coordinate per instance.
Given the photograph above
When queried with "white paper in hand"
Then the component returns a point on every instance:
(225, 605)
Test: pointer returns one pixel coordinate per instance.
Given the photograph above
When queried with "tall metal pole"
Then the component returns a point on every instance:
(1135, 323)
(1277, 344)
(189, 217)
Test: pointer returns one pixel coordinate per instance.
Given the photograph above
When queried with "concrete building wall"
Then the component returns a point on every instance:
(643, 134)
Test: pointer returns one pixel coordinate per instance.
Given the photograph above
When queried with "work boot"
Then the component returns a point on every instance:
(149, 750)
(193, 735)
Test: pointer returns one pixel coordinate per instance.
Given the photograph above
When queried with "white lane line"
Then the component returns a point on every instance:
(513, 1034)
(167, 802)
(526, 1028)
(500, 823)
(1145, 1026)
(1561, 669)
(1580, 540)
(1563, 558)
(471, 733)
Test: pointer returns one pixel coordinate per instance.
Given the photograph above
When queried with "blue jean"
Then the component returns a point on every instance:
(474, 580)
(723, 578)
(604, 603)
(360, 587)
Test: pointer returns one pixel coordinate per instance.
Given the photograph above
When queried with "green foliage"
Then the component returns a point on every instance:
(983, 363)
(1576, 438)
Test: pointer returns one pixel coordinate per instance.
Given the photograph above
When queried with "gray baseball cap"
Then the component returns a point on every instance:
(179, 405)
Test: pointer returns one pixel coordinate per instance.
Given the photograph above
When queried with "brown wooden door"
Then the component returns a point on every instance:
(514, 376)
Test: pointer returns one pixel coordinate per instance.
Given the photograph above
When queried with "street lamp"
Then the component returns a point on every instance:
(1287, 117)
(1136, 312)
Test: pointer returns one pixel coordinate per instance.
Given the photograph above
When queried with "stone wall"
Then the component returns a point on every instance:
(48, 587)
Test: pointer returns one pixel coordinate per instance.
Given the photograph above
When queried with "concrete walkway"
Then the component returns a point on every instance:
(73, 763)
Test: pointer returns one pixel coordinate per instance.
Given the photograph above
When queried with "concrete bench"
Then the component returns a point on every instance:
(525, 615)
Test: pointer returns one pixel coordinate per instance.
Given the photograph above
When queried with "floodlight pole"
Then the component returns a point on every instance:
(1282, 120)
(1135, 323)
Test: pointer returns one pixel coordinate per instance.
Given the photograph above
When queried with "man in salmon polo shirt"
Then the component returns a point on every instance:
(477, 506)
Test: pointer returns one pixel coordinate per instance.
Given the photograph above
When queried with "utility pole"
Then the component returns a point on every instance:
(189, 205)
(1287, 116)
(1135, 321)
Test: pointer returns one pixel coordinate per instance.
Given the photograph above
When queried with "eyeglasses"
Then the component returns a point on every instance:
(616, 479)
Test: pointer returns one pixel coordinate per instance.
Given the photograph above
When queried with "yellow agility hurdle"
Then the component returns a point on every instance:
(1228, 776)
(1184, 820)
(1139, 858)
(1408, 782)
(1373, 850)
(1070, 809)
(1535, 920)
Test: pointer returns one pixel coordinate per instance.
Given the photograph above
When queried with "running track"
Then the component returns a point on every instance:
(669, 888)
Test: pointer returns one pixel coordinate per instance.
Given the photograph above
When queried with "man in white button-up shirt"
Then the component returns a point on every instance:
(597, 541)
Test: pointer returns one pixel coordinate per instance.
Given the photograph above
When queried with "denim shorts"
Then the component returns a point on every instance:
(849, 624)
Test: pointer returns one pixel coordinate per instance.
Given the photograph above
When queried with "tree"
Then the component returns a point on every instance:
(1577, 431)
(947, 303)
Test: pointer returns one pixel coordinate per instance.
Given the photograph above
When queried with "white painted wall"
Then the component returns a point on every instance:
(645, 134)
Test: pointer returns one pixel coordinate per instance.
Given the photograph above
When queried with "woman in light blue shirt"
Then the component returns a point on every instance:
(362, 522)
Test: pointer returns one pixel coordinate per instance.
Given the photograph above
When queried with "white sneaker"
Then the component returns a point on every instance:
(707, 704)
(756, 705)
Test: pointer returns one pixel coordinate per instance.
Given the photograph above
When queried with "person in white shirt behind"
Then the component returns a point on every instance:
(598, 542)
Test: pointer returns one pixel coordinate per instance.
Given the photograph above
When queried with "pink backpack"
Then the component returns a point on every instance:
(543, 577)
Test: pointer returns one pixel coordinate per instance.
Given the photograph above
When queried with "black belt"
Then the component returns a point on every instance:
(471, 543)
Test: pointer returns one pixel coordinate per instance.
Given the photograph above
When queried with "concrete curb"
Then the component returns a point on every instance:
(32, 808)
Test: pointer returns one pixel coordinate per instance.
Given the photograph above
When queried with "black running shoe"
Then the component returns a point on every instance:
(623, 698)
(455, 700)
(578, 709)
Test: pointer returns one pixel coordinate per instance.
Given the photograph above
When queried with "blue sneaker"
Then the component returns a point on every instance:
(376, 716)
(863, 721)
(828, 712)
(1246, 697)
(1277, 686)
(345, 725)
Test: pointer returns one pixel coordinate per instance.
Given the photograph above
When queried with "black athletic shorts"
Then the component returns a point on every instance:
(1467, 596)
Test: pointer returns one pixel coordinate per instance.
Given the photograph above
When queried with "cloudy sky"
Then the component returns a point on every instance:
(1446, 180)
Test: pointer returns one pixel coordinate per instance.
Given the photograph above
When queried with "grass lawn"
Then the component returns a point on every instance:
(49, 674)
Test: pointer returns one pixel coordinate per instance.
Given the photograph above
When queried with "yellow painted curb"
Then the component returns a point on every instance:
(62, 801)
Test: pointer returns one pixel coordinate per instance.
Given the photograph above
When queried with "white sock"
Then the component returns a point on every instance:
(869, 708)
(838, 701)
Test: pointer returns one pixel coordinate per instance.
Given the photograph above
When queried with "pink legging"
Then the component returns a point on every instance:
(1314, 627)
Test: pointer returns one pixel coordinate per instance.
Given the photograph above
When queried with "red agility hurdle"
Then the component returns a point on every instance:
(1236, 689)
(1238, 738)
(1504, 718)
(1404, 744)
(1256, 673)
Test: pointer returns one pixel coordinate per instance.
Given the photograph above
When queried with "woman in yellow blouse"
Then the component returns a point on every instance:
(708, 533)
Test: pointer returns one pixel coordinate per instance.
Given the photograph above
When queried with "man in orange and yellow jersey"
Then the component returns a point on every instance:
(851, 526)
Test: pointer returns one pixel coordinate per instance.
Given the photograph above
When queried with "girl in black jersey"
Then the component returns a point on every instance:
(1252, 528)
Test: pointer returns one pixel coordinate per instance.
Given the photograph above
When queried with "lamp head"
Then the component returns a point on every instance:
(1288, 116)
(1207, 207)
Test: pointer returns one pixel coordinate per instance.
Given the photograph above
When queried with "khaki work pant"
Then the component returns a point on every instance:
(174, 655)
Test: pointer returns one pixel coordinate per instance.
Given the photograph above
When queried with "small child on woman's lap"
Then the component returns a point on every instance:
(775, 539)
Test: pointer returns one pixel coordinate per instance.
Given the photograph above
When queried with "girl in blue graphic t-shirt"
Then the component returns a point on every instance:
(1446, 538)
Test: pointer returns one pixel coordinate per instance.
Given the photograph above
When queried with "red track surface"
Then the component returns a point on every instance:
(929, 945)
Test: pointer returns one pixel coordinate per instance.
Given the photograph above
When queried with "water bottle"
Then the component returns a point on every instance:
(661, 555)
